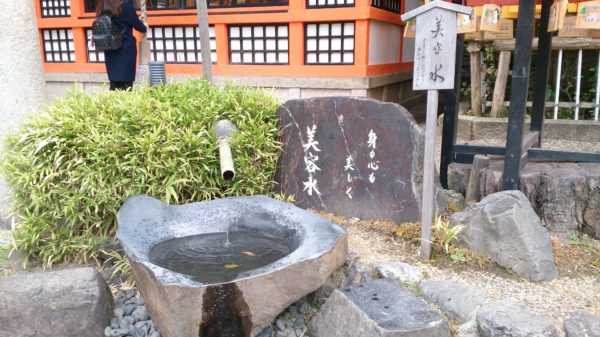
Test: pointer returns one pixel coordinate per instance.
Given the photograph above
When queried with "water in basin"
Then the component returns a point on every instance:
(218, 257)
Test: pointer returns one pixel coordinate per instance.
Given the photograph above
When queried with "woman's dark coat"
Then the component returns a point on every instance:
(121, 63)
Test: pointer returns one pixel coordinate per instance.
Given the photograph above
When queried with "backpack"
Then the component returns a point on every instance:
(105, 34)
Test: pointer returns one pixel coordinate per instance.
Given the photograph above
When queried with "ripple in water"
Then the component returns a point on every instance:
(218, 257)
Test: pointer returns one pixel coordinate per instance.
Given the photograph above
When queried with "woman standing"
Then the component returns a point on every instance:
(120, 63)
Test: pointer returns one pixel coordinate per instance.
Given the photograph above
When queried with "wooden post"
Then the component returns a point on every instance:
(451, 101)
(500, 86)
(204, 39)
(428, 174)
(538, 109)
(472, 194)
(514, 158)
(474, 49)
(434, 69)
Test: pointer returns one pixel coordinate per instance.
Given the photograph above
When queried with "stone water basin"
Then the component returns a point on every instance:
(225, 267)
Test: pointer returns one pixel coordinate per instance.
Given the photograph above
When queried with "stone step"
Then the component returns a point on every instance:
(459, 301)
(376, 309)
(508, 319)
(68, 303)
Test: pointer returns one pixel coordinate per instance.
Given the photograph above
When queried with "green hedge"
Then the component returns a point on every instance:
(72, 165)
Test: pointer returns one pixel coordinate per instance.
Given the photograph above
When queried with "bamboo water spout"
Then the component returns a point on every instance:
(224, 129)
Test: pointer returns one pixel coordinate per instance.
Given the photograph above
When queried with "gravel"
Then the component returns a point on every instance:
(130, 317)
(556, 299)
(548, 144)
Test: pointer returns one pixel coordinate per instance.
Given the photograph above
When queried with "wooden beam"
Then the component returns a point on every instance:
(558, 43)
(451, 102)
(428, 174)
(472, 194)
(204, 39)
(500, 86)
(582, 105)
(474, 49)
(518, 96)
(530, 140)
(542, 72)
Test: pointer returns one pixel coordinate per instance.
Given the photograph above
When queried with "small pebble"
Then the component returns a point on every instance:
(299, 322)
(115, 323)
(132, 300)
(140, 301)
(154, 334)
(129, 308)
(303, 308)
(119, 312)
(129, 293)
(265, 333)
(293, 310)
(137, 332)
(142, 324)
(118, 332)
(280, 324)
(140, 314)
(119, 295)
(126, 322)
(107, 331)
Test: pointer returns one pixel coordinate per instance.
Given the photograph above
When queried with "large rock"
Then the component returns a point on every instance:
(582, 324)
(376, 309)
(566, 196)
(458, 301)
(504, 227)
(507, 319)
(355, 157)
(66, 303)
(400, 271)
(246, 297)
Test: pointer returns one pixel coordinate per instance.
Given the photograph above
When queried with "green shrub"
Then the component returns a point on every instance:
(73, 165)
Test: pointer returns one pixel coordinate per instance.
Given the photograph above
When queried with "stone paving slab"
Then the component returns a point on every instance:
(376, 309)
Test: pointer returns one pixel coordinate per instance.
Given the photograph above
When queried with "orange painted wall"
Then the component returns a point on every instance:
(295, 15)
(505, 2)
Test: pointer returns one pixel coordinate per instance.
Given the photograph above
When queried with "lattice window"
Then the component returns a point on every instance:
(329, 3)
(246, 3)
(258, 44)
(55, 8)
(90, 5)
(58, 45)
(179, 44)
(93, 56)
(329, 43)
(388, 5)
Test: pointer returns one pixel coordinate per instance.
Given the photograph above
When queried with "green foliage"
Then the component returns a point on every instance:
(490, 61)
(120, 268)
(74, 164)
(582, 240)
(458, 256)
(444, 234)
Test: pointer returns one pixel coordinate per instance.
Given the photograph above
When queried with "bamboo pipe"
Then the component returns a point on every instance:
(224, 129)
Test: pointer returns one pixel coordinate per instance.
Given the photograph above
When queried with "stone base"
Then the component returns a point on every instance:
(380, 308)
(395, 87)
(566, 196)
(67, 303)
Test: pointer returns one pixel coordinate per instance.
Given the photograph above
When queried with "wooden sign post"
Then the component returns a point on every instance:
(202, 8)
(434, 66)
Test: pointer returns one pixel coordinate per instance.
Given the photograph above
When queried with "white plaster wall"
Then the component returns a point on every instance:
(22, 86)
(408, 45)
(384, 42)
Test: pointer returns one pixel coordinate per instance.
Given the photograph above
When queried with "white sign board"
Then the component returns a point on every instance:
(435, 50)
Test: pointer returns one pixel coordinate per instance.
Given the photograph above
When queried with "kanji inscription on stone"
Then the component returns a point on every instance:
(355, 157)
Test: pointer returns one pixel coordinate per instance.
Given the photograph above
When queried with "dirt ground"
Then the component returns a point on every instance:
(577, 258)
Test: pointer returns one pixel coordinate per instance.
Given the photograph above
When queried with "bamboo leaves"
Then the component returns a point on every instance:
(72, 165)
